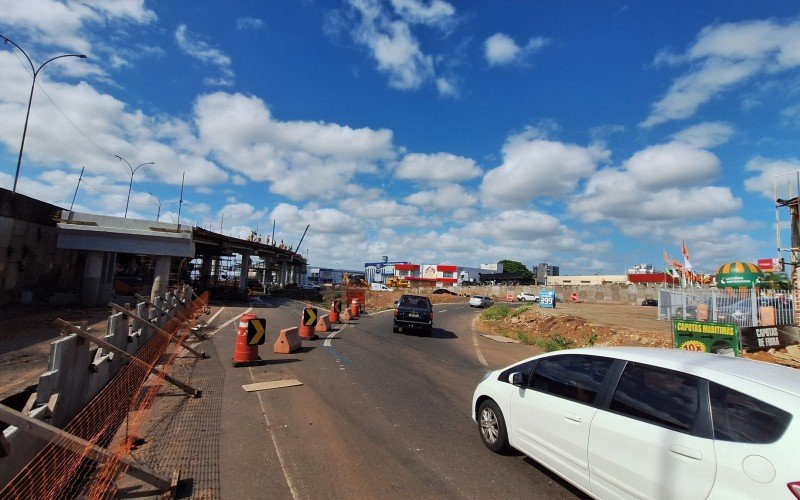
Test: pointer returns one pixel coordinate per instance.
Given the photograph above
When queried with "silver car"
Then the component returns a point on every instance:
(480, 301)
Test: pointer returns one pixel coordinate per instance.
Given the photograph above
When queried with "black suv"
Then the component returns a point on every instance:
(414, 311)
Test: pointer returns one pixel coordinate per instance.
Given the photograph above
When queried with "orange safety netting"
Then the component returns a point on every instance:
(57, 471)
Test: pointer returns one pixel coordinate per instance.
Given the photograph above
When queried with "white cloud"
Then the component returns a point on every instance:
(240, 131)
(64, 24)
(321, 220)
(769, 172)
(535, 167)
(249, 23)
(501, 49)
(438, 167)
(671, 165)
(613, 194)
(194, 47)
(722, 57)
(705, 135)
(451, 196)
(447, 88)
(435, 13)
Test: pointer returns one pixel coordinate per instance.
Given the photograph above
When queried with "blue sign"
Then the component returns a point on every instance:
(547, 299)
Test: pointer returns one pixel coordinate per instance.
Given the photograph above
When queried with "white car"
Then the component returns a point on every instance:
(480, 301)
(309, 286)
(649, 423)
(527, 297)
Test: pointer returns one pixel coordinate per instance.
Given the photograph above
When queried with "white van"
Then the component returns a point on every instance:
(380, 287)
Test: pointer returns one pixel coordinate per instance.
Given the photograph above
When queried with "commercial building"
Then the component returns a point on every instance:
(542, 271)
(421, 275)
(592, 279)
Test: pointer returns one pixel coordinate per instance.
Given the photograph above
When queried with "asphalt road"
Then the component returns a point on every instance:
(379, 415)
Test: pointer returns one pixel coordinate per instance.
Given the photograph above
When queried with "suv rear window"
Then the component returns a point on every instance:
(740, 418)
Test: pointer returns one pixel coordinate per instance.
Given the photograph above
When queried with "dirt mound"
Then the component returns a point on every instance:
(552, 330)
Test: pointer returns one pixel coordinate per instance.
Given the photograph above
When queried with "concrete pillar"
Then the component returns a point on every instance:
(160, 276)
(90, 284)
(244, 271)
(205, 271)
(283, 274)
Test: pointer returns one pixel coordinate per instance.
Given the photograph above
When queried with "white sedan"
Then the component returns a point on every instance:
(480, 301)
(649, 423)
(527, 297)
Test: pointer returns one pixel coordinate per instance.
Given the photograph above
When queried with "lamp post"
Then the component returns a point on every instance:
(30, 98)
(159, 205)
(133, 171)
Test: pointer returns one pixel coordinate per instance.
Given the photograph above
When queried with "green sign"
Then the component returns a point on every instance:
(717, 338)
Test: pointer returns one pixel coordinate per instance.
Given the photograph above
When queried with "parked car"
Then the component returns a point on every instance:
(413, 311)
(650, 302)
(480, 301)
(527, 297)
(649, 423)
(309, 286)
(444, 291)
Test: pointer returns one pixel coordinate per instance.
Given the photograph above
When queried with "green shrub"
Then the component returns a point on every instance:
(499, 311)
(519, 310)
(554, 343)
(591, 339)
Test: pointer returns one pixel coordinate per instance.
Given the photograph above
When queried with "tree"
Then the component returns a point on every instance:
(777, 281)
(512, 266)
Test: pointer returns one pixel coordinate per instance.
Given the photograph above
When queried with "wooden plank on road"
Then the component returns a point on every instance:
(273, 384)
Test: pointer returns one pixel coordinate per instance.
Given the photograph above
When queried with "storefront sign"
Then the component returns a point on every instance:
(717, 338)
(764, 337)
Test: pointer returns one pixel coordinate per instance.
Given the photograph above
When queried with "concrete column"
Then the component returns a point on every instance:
(160, 276)
(90, 285)
(243, 273)
(283, 274)
(205, 271)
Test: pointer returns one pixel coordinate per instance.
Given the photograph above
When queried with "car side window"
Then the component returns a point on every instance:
(573, 376)
(740, 418)
(523, 368)
(664, 397)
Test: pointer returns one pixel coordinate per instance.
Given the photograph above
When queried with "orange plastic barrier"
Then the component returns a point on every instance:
(308, 321)
(288, 341)
(243, 353)
(354, 308)
(323, 325)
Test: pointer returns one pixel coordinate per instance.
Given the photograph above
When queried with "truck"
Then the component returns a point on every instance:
(380, 287)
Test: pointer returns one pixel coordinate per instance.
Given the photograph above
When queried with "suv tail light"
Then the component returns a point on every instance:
(795, 489)
(395, 313)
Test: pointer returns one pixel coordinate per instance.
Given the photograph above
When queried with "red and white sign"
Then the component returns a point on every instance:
(768, 265)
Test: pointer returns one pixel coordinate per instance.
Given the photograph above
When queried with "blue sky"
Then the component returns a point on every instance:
(590, 135)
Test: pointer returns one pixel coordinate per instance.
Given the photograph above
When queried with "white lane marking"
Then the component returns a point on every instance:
(223, 325)
(443, 311)
(215, 315)
(475, 341)
(288, 479)
(331, 335)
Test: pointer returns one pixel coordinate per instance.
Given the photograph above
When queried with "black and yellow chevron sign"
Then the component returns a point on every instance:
(310, 316)
(256, 329)
(337, 305)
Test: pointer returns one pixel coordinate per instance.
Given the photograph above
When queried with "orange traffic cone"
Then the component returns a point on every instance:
(244, 354)
(333, 315)
(354, 308)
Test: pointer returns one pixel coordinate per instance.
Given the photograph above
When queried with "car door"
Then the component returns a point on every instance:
(552, 416)
(654, 440)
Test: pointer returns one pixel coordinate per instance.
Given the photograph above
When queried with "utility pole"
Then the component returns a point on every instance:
(76, 190)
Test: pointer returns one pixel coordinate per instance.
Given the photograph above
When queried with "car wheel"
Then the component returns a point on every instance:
(428, 331)
(395, 329)
(492, 427)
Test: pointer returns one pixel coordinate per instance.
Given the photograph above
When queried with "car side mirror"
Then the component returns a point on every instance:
(517, 379)
(396, 302)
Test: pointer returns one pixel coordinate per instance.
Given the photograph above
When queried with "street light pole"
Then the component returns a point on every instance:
(130, 185)
(30, 98)
(159, 205)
